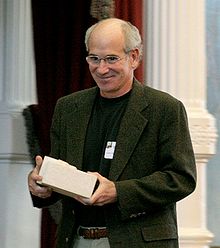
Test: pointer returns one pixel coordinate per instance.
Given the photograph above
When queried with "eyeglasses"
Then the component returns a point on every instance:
(109, 59)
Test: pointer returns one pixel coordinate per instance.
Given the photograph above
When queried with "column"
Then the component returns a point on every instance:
(20, 222)
(176, 63)
(18, 84)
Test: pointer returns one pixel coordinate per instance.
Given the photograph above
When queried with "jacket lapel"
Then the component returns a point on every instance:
(131, 128)
(77, 121)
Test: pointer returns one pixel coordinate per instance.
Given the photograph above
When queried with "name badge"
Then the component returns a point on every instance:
(110, 149)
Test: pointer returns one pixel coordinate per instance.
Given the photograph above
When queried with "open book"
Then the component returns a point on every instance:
(66, 179)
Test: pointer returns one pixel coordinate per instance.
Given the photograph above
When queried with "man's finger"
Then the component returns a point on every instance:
(39, 162)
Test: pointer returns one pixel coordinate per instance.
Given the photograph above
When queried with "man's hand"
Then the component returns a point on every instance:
(33, 177)
(104, 194)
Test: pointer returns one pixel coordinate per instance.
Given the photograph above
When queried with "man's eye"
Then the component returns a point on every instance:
(94, 58)
(112, 59)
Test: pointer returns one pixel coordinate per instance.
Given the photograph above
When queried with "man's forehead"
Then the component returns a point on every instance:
(107, 29)
(106, 45)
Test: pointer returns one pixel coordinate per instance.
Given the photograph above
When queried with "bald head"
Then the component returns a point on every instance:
(118, 29)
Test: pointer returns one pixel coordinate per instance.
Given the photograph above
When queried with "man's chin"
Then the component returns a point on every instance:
(104, 81)
(105, 84)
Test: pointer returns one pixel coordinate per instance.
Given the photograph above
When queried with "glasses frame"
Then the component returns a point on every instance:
(106, 59)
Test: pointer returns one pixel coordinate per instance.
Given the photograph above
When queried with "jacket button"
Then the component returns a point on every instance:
(133, 216)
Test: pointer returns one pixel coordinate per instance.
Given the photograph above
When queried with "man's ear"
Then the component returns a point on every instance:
(135, 58)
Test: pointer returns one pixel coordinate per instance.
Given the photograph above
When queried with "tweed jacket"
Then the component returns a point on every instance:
(153, 166)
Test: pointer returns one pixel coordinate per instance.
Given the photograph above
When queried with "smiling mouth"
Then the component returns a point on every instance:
(105, 78)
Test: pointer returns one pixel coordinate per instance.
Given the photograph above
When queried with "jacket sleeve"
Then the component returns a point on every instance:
(55, 144)
(174, 173)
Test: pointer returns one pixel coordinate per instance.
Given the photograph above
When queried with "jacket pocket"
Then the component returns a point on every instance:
(159, 232)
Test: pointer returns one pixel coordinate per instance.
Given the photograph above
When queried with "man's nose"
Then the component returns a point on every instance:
(103, 66)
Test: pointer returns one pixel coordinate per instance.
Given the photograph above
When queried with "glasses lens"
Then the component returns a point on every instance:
(111, 59)
(93, 59)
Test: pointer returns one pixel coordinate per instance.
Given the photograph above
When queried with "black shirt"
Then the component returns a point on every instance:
(102, 130)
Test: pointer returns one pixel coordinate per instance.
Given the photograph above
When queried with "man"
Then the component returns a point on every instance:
(134, 138)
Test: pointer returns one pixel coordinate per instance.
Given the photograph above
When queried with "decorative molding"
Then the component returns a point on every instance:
(15, 158)
(195, 237)
(203, 132)
(13, 145)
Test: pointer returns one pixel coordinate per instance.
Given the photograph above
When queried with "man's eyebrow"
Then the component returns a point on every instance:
(92, 54)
